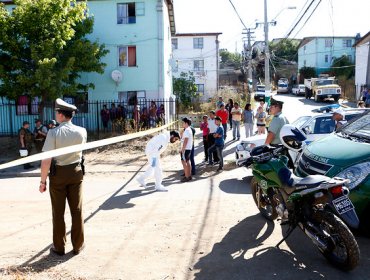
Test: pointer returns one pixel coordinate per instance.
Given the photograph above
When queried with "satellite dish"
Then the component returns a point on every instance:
(117, 76)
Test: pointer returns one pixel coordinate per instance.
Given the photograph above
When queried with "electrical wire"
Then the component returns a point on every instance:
(290, 32)
(238, 14)
(308, 20)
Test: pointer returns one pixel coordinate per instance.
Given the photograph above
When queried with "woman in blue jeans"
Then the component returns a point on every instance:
(218, 146)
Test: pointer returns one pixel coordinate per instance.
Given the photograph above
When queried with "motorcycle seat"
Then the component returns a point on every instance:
(309, 181)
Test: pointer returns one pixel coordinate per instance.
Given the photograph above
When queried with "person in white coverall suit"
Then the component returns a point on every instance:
(153, 149)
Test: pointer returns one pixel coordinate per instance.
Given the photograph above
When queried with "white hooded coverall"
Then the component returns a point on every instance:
(153, 149)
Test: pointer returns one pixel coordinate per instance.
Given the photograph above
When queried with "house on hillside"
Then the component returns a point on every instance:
(319, 52)
(362, 73)
(138, 37)
(198, 53)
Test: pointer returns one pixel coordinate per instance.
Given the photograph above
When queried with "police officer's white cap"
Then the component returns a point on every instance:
(61, 105)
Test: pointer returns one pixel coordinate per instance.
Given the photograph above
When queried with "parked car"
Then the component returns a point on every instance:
(346, 154)
(259, 95)
(298, 89)
(283, 86)
(316, 126)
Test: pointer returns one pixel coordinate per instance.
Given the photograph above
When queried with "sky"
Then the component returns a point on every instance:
(331, 18)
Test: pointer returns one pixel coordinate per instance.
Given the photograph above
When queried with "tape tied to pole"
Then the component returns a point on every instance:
(82, 147)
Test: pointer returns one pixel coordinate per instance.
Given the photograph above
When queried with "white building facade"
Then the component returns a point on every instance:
(198, 53)
(362, 74)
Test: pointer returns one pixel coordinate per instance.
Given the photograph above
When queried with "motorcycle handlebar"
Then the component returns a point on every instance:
(273, 152)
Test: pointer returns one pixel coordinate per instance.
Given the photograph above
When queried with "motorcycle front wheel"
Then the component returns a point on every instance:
(342, 248)
(264, 202)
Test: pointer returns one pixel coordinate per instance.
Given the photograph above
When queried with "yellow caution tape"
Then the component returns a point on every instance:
(82, 147)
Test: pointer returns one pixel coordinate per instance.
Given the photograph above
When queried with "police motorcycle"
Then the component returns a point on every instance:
(316, 204)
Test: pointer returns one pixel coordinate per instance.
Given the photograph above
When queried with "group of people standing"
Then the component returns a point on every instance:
(28, 139)
(143, 118)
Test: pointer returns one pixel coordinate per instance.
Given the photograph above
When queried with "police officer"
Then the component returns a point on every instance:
(39, 133)
(278, 121)
(339, 118)
(25, 141)
(65, 178)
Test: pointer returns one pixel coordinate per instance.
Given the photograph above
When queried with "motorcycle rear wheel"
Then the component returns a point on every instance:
(267, 207)
(343, 251)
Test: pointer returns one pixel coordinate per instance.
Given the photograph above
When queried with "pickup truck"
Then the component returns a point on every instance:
(321, 88)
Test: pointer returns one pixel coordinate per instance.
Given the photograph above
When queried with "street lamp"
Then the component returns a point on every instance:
(267, 51)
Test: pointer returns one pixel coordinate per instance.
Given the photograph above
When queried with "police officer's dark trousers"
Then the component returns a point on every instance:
(66, 184)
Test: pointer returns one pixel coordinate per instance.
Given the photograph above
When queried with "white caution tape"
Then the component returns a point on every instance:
(81, 147)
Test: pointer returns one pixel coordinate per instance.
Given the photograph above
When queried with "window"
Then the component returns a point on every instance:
(198, 65)
(326, 58)
(328, 43)
(131, 98)
(127, 56)
(174, 43)
(347, 43)
(27, 107)
(127, 12)
(304, 49)
(350, 58)
(200, 89)
(198, 43)
(304, 63)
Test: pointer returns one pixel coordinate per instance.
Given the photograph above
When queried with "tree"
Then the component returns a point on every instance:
(230, 59)
(284, 50)
(343, 67)
(44, 49)
(306, 73)
(184, 88)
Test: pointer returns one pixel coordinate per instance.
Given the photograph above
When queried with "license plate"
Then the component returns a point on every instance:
(343, 204)
(329, 96)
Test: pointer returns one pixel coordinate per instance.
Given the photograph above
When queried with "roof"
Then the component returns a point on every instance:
(197, 34)
(306, 40)
(363, 40)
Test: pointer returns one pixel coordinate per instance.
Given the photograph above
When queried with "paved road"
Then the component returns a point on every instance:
(206, 229)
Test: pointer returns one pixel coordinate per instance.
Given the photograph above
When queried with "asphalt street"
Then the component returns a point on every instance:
(208, 228)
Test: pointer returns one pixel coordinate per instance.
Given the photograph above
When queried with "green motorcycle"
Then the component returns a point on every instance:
(317, 204)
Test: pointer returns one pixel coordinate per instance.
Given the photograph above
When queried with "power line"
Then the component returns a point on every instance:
(307, 19)
(290, 32)
(237, 14)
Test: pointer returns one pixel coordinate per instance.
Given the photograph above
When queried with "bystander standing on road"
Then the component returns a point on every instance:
(66, 177)
(278, 121)
(219, 102)
(205, 132)
(212, 129)
(361, 104)
(105, 115)
(187, 145)
(236, 113)
(248, 116)
(153, 150)
(261, 120)
(152, 114)
(224, 115)
(192, 155)
(229, 107)
(218, 146)
(25, 141)
(40, 131)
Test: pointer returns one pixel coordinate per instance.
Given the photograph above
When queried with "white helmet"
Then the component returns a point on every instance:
(292, 137)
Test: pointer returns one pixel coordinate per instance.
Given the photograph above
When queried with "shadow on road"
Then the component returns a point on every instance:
(229, 259)
(121, 201)
(236, 186)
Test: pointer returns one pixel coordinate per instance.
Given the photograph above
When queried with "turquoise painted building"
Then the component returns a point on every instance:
(138, 37)
(319, 52)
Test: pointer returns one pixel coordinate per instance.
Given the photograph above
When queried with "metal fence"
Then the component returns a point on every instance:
(120, 118)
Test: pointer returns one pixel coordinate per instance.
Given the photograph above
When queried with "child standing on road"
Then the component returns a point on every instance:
(219, 144)
(205, 131)
(261, 120)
